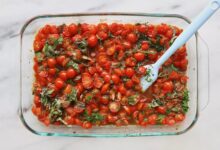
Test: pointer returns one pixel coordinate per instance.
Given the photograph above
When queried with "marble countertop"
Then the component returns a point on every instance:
(13, 136)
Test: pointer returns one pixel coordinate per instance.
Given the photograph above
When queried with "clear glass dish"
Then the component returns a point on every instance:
(197, 73)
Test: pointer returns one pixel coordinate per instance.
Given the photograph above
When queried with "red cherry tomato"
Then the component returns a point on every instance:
(87, 81)
(114, 107)
(129, 72)
(115, 79)
(179, 117)
(152, 119)
(139, 56)
(131, 37)
(168, 86)
(59, 83)
(92, 41)
(63, 75)
(70, 73)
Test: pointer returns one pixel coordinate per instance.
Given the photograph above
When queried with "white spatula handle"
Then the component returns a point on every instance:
(190, 30)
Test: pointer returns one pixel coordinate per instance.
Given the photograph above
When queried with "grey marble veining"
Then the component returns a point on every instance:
(13, 136)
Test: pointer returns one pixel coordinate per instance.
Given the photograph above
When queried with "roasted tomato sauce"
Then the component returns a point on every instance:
(89, 75)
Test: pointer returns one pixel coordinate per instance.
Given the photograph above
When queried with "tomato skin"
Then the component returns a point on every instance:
(92, 41)
(37, 101)
(122, 89)
(114, 107)
(129, 72)
(170, 121)
(139, 56)
(129, 84)
(87, 81)
(87, 125)
(98, 82)
(52, 71)
(131, 37)
(59, 83)
(68, 89)
(60, 60)
(144, 46)
(63, 75)
(71, 73)
(161, 109)
(152, 119)
(105, 88)
(107, 78)
(142, 70)
(115, 79)
(179, 117)
(73, 29)
(153, 55)
(168, 86)
(38, 46)
(174, 75)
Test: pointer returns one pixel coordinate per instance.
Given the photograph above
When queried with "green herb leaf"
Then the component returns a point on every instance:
(74, 65)
(45, 96)
(160, 118)
(185, 101)
(174, 68)
(39, 56)
(148, 75)
(82, 45)
(155, 103)
(89, 98)
(94, 117)
(132, 100)
(55, 110)
(72, 97)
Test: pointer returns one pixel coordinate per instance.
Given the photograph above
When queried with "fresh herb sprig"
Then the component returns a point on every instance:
(185, 101)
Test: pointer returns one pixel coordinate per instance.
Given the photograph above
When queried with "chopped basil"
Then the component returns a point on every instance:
(160, 118)
(45, 96)
(89, 98)
(174, 68)
(82, 45)
(39, 56)
(155, 103)
(74, 65)
(174, 109)
(132, 100)
(55, 110)
(49, 50)
(148, 75)
(72, 97)
(70, 81)
(94, 117)
(185, 101)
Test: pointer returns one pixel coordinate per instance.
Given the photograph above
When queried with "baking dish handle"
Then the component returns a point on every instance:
(203, 73)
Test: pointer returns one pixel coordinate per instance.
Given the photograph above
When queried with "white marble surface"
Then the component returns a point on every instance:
(13, 14)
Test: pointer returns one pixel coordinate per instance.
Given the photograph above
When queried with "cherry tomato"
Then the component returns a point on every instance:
(60, 59)
(52, 71)
(179, 117)
(70, 73)
(161, 109)
(129, 72)
(105, 88)
(142, 70)
(87, 81)
(63, 75)
(98, 82)
(68, 89)
(107, 78)
(122, 89)
(168, 86)
(115, 79)
(153, 55)
(59, 83)
(152, 119)
(73, 29)
(114, 107)
(92, 41)
(131, 37)
(170, 121)
(129, 84)
(86, 125)
(139, 56)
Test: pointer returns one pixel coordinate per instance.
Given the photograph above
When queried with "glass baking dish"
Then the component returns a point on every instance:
(197, 72)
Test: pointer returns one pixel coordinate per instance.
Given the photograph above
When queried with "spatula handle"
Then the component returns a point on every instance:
(207, 12)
